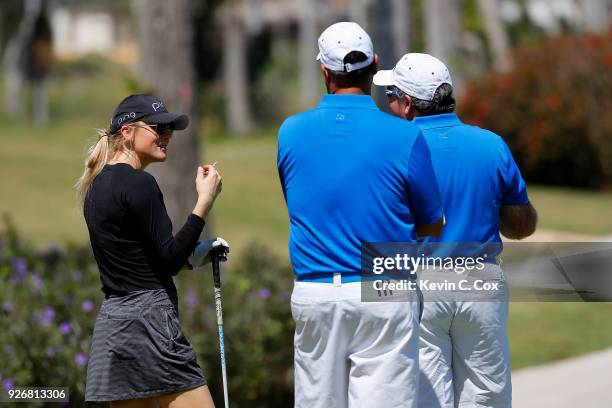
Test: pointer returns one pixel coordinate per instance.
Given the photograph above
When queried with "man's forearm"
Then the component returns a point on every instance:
(518, 221)
(430, 230)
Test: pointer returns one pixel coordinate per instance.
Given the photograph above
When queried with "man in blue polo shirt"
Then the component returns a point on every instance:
(464, 353)
(352, 174)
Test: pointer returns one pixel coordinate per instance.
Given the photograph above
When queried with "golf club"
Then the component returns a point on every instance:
(216, 255)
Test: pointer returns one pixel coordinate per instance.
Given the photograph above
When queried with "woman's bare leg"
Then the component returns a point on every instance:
(135, 403)
(195, 398)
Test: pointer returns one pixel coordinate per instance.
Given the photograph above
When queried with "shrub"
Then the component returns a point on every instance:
(553, 108)
(258, 328)
(50, 297)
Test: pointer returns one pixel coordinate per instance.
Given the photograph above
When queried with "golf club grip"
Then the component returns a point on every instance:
(215, 258)
(219, 309)
(216, 272)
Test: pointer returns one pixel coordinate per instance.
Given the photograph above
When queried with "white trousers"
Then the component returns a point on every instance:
(464, 353)
(353, 354)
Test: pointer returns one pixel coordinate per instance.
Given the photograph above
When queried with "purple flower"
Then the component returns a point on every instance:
(37, 281)
(192, 299)
(8, 384)
(80, 359)
(264, 293)
(54, 249)
(9, 350)
(65, 328)
(21, 270)
(285, 296)
(7, 306)
(87, 306)
(47, 317)
(77, 275)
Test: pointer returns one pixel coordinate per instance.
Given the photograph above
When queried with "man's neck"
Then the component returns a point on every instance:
(349, 91)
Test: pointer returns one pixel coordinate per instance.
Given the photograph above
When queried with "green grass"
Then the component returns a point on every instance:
(544, 332)
(40, 166)
(580, 211)
(251, 205)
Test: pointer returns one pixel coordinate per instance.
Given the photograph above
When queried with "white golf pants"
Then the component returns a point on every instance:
(464, 354)
(353, 354)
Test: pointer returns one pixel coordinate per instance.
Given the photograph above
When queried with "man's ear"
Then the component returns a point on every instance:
(327, 77)
(375, 70)
(325, 72)
(408, 110)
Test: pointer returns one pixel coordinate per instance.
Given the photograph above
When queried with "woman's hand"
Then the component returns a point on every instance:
(208, 185)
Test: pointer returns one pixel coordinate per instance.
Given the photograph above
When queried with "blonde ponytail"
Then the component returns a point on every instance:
(98, 156)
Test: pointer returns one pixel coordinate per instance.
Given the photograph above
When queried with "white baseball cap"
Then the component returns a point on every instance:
(418, 75)
(340, 39)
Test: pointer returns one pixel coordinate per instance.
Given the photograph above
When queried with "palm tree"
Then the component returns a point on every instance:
(596, 14)
(495, 30)
(309, 80)
(443, 34)
(165, 36)
(400, 26)
(358, 12)
(391, 35)
(442, 28)
(28, 59)
(235, 68)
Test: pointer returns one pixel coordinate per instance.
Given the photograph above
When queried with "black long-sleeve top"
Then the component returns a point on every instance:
(131, 233)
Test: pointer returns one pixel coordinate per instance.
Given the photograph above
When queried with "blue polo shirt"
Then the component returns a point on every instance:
(476, 175)
(351, 174)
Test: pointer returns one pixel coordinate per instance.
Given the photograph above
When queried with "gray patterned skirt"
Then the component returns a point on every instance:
(138, 350)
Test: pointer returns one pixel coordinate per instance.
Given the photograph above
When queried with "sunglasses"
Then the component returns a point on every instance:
(160, 129)
(395, 92)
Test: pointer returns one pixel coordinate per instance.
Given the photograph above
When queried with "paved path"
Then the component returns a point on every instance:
(581, 382)
(544, 235)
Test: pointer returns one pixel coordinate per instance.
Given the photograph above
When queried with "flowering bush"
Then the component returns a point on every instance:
(553, 108)
(48, 300)
(50, 297)
(258, 328)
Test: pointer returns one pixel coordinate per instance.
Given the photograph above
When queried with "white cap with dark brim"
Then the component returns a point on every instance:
(418, 75)
(340, 39)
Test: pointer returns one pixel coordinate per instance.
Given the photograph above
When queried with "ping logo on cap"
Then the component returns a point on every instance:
(131, 115)
(157, 105)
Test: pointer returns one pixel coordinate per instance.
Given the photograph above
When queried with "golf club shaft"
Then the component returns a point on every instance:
(219, 309)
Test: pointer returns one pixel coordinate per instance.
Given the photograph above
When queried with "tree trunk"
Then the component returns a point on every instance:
(442, 28)
(383, 45)
(13, 84)
(40, 102)
(15, 57)
(496, 33)
(443, 34)
(596, 14)
(358, 12)
(309, 72)
(400, 25)
(235, 68)
(165, 36)
(390, 37)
